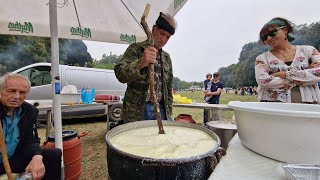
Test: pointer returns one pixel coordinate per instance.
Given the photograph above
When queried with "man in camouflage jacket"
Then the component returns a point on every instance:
(133, 70)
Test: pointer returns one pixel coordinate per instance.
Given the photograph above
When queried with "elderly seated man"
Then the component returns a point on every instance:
(19, 123)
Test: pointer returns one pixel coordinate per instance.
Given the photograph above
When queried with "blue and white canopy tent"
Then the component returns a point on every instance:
(114, 21)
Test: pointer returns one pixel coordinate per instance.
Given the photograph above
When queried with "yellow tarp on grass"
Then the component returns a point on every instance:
(177, 98)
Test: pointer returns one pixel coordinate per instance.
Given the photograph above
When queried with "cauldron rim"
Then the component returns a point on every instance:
(151, 123)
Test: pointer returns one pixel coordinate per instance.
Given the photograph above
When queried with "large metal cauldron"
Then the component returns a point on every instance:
(122, 165)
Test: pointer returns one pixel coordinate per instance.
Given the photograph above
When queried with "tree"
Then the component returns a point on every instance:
(107, 61)
(2, 70)
(19, 51)
(175, 83)
(77, 53)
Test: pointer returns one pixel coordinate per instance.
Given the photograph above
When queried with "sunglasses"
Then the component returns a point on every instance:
(215, 75)
(272, 33)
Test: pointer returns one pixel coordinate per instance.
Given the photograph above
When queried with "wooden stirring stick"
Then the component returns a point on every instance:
(151, 69)
(5, 155)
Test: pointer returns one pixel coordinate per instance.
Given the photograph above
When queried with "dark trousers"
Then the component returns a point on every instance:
(206, 113)
(51, 161)
(150, 112)
(205, 116)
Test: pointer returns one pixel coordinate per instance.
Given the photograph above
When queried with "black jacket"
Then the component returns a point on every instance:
(29, 143)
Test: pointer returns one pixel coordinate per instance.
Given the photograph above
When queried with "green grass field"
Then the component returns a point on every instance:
(197, 96)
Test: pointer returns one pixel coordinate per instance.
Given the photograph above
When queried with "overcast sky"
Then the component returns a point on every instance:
(211, 33)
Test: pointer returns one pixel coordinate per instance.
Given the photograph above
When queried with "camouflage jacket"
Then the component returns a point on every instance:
(127, 71)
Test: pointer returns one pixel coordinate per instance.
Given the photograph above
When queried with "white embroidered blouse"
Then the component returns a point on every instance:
(271, 88)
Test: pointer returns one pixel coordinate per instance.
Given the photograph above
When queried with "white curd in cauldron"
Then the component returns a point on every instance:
(177, 142)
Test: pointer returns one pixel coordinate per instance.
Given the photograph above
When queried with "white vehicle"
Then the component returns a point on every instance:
(103, 81)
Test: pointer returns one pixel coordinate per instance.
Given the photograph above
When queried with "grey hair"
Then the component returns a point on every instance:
(4, 79)
(171, 20)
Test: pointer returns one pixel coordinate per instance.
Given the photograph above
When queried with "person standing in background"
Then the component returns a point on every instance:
(215, 90)
(208, 79)
(214, 94)
(205, 84)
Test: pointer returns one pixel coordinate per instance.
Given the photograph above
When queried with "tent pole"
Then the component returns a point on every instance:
(56, 78)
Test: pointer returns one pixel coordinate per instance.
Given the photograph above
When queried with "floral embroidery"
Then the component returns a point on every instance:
(259, 61)
(317, 72)
(267, 80)
(300, 58)
(273, 94)
(274, 69)
(297, 83)
(275, 62)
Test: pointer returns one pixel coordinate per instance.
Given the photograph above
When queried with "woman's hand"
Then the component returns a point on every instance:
(286, 86)
(281, 74)
(314, 65)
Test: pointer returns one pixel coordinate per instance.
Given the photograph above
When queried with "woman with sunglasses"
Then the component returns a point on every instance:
(286, 73)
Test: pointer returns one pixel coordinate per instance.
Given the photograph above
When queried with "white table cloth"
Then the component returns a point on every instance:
(241, 163)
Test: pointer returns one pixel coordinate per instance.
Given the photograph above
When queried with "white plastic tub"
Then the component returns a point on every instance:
(70, 98)
(282, 131)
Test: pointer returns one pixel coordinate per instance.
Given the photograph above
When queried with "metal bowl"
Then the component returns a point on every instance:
(225, 130)
(302, 171)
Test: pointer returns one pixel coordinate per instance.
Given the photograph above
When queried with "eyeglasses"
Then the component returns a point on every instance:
(272, 33)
